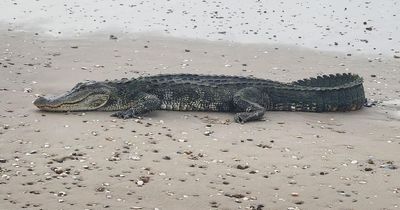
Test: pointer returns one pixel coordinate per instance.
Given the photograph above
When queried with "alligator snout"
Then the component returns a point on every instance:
(41, 101)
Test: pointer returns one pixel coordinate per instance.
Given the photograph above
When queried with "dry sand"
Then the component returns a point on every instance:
(191, 160)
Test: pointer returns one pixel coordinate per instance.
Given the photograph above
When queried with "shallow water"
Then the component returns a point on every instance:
(370, 27)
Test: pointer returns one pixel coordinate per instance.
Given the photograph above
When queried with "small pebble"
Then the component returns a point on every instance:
(294, 194)
(140, 183)
(242, 167)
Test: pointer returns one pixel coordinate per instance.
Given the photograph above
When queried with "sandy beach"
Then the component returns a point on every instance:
(191, 160)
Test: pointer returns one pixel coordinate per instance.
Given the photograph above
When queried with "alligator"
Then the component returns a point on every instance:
(248, 97)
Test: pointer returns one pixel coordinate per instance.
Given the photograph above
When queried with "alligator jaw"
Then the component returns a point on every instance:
(64, 103)
(51, 104)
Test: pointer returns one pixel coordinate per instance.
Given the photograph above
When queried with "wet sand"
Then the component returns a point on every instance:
(191, 160)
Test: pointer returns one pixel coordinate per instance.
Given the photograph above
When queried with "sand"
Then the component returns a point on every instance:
(191, 160)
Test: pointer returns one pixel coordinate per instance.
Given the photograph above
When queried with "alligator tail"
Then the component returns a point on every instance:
(340, 92)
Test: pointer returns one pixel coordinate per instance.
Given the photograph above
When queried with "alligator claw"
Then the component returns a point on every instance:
(126, 114)
(241, 117)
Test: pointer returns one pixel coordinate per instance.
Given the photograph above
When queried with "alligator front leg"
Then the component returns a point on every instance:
(251, 104)
(142, 104)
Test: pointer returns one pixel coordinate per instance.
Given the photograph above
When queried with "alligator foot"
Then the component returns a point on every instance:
(126, 114)
(143, 104)
(243, 117)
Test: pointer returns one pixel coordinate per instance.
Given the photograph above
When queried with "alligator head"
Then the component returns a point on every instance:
(85, 96)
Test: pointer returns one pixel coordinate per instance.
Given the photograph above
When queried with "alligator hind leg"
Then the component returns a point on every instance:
(142, 104)
(251, 104)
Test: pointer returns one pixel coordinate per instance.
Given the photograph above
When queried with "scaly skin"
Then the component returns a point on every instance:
(248, 97)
